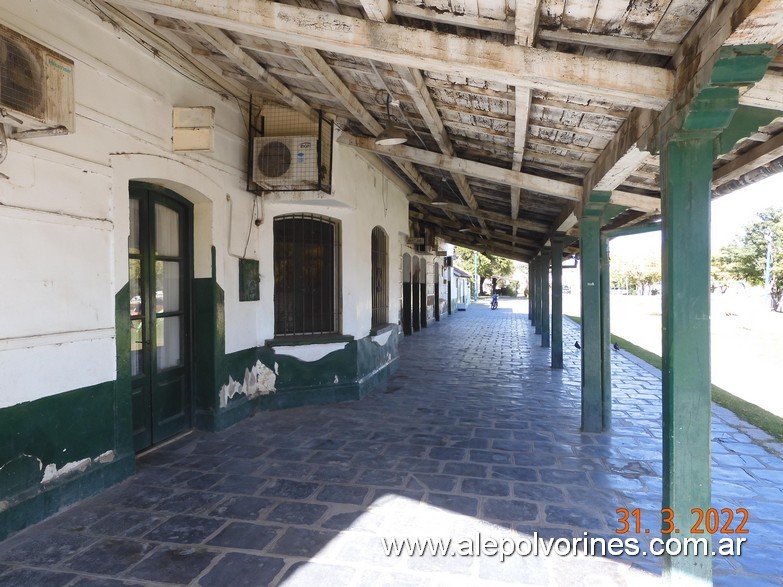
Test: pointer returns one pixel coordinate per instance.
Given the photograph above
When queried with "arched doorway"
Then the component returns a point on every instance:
(407, 326)
(423, 289)
(436, 283)
(160, 261)
(416, 297)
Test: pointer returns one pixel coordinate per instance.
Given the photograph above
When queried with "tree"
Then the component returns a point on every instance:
(746, 258)
(489, 266)
(637, 273)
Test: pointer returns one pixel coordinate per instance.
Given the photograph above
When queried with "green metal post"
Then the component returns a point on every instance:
(606, 341)
(530, 290)
(686, 174)
(590, 266)
(687, 154)
(557, 301)
(538, 321)
(545, 257)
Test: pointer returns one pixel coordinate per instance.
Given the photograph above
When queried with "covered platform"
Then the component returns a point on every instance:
(476, 437)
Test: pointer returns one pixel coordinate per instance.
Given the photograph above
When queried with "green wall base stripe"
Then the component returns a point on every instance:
(359, 367)
(52, 431)
(47, 501)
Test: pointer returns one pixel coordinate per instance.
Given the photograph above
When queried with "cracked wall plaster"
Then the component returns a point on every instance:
(260, 380)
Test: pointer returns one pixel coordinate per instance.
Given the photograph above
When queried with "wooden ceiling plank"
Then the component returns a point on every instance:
(756, 157)
(613, 42)
(768, 93)
(491, 25)
(624, 83)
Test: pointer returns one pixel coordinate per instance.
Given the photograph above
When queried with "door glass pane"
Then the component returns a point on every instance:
(166, 231)
(134, 269)
(137, 357)
(168, 342)
(134, 238)
(167, 286)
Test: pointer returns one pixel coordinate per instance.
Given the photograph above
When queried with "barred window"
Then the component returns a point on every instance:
(380, 287)
(307, 275)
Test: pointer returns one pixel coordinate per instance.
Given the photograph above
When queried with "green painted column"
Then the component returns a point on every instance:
(687, 155)
(590, 275)
(557, 300)
(545, 257)
(686, 169)
(531, 291)
(592, 322)
(538, 321)
(606, 341)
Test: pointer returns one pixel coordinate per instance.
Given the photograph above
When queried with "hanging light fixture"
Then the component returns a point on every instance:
(390, 135)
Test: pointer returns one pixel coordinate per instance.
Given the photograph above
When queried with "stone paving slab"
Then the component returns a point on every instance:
(475, 436)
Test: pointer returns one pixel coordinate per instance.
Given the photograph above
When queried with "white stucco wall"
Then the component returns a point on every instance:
(64, 212)
(363, 197)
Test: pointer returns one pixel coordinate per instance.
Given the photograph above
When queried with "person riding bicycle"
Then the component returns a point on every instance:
(494, 304)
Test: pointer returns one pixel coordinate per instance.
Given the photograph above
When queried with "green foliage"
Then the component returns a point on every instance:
(637, 274)
(489, 266)
(745, 259)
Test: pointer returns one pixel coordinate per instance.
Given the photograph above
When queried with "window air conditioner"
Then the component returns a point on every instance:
(286, 163)
(36, 86)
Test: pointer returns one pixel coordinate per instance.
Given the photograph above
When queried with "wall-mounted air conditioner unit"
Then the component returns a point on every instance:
(286, 163)
(36, 87)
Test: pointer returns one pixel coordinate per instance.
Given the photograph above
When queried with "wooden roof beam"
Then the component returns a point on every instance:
(756, 157)
(500, 175)
(324, 73)
(525, 29)
(489, 216)
(180, 52)
(699, 49)
(508, 27)
(516, 65)
(380, 10)
(522, 242)
(223, 43)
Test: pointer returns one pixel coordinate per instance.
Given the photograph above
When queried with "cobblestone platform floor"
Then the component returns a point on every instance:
(475, 438)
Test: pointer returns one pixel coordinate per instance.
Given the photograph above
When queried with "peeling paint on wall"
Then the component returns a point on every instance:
(382, 338)
(52, 473)
(310, 352)
(260, 380)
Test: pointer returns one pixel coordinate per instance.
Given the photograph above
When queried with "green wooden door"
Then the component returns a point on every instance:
(159, 263)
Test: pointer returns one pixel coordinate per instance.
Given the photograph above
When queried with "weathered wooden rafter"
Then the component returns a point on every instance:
(517, 65)
(489, 216)
(698, 50)
(755, 157)
(527, 181)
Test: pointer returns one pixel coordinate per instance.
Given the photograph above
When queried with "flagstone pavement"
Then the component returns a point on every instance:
(474, 439)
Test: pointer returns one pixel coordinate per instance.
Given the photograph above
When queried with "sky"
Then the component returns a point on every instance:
(730, 214)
